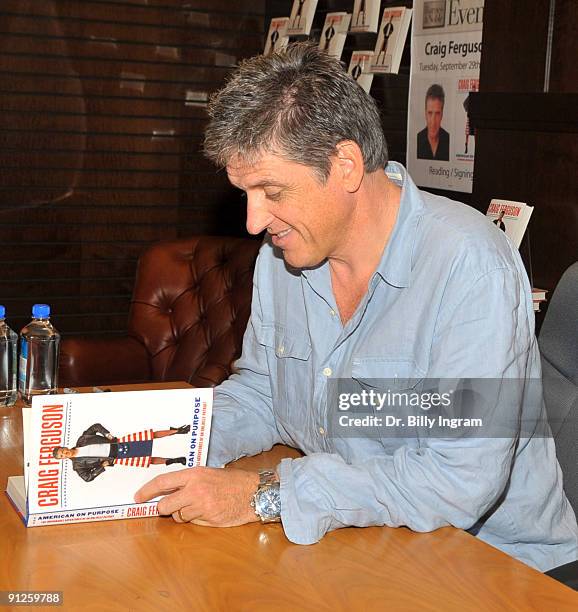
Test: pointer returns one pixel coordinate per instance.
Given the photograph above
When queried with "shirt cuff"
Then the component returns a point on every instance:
(302, 519)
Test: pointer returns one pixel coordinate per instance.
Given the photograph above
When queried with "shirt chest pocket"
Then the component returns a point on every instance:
(381, 373)
(288, 356)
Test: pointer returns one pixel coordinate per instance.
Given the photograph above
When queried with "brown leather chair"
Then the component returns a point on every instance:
(189, 310)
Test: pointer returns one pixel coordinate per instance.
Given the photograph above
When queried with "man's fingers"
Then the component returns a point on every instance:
(162, 485)
(174, 502)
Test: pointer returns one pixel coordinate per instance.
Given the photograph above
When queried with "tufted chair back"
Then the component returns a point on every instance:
(190, 306)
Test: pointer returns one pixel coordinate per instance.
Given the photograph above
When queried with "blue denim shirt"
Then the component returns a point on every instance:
(450, 298)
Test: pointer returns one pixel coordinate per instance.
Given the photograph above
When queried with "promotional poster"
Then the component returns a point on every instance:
(446, 51)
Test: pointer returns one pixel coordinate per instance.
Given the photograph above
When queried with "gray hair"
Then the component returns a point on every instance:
(298, 103)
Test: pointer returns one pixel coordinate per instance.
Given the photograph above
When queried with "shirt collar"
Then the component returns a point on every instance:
(396, 261)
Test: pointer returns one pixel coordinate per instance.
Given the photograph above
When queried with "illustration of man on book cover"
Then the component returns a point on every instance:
(96, 449)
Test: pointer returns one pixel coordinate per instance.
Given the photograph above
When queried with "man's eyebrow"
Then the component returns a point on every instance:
(269, 183)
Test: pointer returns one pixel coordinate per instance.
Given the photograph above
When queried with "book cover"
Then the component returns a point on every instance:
(360, 68)
(365, 16)
(86, 455)
(301, 18)
(511, 217)
(391, 39)
(334, 33)
(277, 38)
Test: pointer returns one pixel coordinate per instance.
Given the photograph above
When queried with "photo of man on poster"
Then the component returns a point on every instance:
(433, 142)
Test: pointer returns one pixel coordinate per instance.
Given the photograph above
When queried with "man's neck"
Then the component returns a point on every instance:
(376, 206)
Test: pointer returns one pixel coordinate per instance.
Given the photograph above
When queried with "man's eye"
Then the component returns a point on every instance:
(275, 197)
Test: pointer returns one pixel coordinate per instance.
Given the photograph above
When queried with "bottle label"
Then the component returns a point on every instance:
(22, 366)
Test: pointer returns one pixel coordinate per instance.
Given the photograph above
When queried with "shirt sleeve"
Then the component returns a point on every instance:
(243, 423)
(485, 332)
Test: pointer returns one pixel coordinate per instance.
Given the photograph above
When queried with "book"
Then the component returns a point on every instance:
(334, 33)
(511, 217)
(360, 68)
(365, 16)
(301, 18)
(277, 38)
(391, 40)
(87, 454)
(539, 295)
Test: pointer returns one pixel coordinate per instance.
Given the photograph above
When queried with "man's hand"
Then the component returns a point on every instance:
(213, 497)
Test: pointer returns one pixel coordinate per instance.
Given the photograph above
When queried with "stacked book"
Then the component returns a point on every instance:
(538, 296)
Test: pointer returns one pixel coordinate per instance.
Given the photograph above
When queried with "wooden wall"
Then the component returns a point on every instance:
(99, 151)
(527, 138)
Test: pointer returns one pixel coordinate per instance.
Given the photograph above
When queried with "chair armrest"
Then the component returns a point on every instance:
(102, 361)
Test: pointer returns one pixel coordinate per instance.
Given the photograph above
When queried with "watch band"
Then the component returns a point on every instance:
(267, 477)
(267, 480)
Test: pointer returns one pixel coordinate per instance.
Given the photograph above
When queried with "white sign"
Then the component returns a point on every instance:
(445, 67)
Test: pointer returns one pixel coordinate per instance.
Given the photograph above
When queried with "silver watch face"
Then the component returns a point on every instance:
(268, 502)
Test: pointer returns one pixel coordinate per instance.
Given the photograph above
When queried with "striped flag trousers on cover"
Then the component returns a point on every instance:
(139, 436)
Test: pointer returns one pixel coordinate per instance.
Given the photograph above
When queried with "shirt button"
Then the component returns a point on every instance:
(281, 349)
(332, 312)
(327, 372)
(322, 431)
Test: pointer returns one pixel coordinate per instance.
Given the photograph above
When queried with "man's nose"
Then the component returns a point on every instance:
(258, 215)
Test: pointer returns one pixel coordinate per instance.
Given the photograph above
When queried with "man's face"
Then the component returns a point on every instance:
(434, 112)
(64, 453)
(307, 220)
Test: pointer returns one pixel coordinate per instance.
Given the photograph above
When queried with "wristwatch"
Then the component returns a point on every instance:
(267, 499)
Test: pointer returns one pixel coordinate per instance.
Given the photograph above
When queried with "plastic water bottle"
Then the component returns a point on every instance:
(8, 348)
(39, 347)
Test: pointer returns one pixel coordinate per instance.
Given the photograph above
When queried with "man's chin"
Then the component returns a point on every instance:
(300, 261)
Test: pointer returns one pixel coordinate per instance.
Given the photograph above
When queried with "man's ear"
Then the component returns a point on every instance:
(348, 164)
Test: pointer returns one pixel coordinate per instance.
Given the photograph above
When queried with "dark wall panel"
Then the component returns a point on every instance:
(527, 139)
(99, 150)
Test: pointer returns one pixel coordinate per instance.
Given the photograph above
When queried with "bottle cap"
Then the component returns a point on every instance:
(41, 311)
(2, 312)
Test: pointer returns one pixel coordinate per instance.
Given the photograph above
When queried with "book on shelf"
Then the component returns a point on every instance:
(365, 16)
(277, 38)
(360, 68)
(511, 217)
(391, 39)
(334, 33)
(87, 454)
(539, 295)
(301, 17)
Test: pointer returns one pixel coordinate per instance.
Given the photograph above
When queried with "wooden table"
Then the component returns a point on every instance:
(157, 564)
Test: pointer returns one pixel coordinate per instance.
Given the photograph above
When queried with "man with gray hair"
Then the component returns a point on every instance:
(363, 277)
